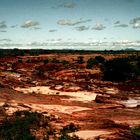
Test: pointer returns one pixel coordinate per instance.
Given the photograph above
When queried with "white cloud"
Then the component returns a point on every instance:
(136, 25)
(99, 27)
(10, 45)
(69, 5)
(127, 43)
(117, 22)
(89, 44)
(5, 40)
(30, 24)
(36, 28)
(69, 22)
(121, 25)
(135, 22)
(3, 25)
(14, 26)
(65, 5)
(81, 28)
(3, 31)
(52, 30)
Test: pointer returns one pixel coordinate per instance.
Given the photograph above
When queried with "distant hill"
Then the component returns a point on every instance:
(130, 49)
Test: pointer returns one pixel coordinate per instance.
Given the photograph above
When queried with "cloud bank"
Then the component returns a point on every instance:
(60, 44)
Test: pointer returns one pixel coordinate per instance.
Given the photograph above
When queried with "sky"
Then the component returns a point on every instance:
(70, 24)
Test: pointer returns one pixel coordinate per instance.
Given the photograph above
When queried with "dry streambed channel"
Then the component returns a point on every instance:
(80, 107)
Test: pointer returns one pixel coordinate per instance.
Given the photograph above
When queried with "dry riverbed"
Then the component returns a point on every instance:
(94, 119)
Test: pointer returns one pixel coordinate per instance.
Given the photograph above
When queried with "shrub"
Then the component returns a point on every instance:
(100, 59)
(138, 65)
(22, 125)
(136, 131)
(67, 137)
(20, 60)
(28, 61)
(64, 62)
(69, 128)
(46, 61)
(54, 60)
(119, 69)
(19, 126)
(80, 60)
(91, 62)
(39, 71)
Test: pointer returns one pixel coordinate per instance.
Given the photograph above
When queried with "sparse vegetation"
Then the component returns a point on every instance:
(22, 125)
(91, 62)
(67, 137)
(119, 69)
(46, 61)
(69, 128)
(54, 60)
(20, 60)
(100, 59)
(80, 60)
(39, 72)
(28, 61)
(64, 62)
(136, 132)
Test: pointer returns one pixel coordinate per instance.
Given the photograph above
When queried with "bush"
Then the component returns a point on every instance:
(91, 62)
(19, 125)
(100, 59)
(28, 61)
(18, 128)
(67, 137)
(39, 71)
(64, 62)
(20, 60)
(22, 125)
(54, 60)
(138, 65)
(69, 128)
(46, 61)
(136, 131)
(119, 69)
(80, 60)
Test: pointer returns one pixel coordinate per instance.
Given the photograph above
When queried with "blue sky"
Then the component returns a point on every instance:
(76, 24)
